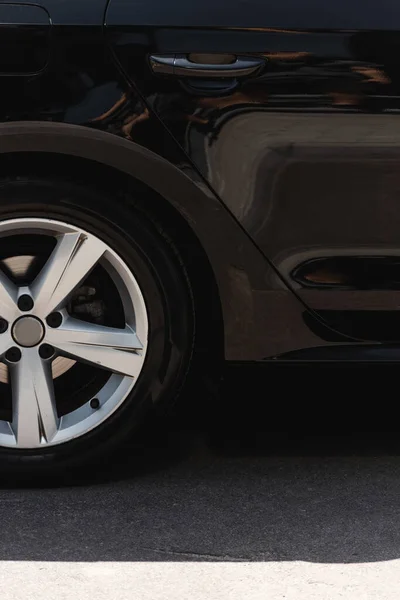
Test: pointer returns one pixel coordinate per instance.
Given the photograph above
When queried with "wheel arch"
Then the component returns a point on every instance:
(34, 148)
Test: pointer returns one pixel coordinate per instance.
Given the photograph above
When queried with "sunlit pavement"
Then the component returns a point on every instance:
(228, 512)
(160, 581)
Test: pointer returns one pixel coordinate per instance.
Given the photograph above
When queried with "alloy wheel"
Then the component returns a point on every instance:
(41, 327)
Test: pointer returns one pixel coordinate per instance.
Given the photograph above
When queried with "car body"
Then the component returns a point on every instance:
(263, 136)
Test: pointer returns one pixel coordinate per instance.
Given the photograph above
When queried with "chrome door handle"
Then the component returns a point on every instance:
(178, 65)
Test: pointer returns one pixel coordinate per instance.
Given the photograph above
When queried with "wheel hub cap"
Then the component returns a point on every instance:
(28, 332)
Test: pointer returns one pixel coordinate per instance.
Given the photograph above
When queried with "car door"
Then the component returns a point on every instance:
(290, 111)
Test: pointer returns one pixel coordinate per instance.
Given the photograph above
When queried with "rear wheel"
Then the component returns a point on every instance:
(96, 323)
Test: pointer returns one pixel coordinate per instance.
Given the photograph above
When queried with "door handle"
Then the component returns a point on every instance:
(179, 65)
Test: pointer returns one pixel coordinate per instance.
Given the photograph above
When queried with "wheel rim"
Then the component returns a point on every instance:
(36, 336)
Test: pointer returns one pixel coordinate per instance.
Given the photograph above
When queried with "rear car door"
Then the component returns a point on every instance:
(290, 111)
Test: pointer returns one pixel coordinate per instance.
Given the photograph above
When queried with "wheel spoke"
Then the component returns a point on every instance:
(8, 298)
(34, 410)
(113, 349)
(73, 258)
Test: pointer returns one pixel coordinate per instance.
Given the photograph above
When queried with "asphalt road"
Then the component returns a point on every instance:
(231, 511)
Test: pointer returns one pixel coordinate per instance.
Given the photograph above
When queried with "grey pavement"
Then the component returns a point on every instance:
(211, 524)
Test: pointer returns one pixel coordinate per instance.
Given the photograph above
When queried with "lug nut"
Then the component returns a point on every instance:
(46, 351)
(13, 354)
(54, 320)
(3, 325)
(95, 403)
(25, 302)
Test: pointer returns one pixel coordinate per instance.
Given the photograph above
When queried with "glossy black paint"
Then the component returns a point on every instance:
(299, 162)
(305, 155)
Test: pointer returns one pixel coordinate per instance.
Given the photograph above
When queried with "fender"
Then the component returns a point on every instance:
(240, 270)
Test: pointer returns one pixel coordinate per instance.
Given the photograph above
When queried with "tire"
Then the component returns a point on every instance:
(136, 237)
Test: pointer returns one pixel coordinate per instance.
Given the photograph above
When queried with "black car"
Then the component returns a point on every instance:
(183, 184)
